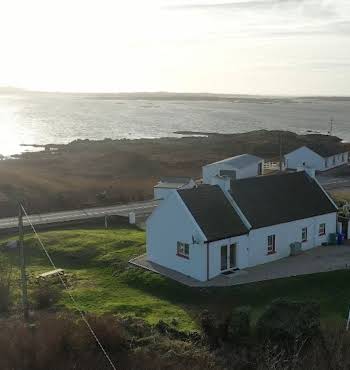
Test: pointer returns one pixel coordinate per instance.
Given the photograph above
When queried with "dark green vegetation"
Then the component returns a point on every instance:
(146, 321)
(96, 262)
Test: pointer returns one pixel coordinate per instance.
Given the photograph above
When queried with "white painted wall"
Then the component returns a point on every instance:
(286, 234)
(211, 170)
(162, 193)
(305, 157)
(169, 223)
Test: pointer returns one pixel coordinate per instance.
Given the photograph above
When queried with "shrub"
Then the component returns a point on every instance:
(214, 329)
(238, 326)
(45, 295)
(288, 319)
(5, 284)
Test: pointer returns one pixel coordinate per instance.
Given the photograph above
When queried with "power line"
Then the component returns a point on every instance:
(69, 293)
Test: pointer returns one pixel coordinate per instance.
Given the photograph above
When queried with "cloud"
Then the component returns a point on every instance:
(309, 8)
(237, 5)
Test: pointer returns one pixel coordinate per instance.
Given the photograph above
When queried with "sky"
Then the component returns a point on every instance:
(272, 47)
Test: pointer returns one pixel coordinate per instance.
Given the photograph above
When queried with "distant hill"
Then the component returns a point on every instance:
(10, 90)
(176, 96)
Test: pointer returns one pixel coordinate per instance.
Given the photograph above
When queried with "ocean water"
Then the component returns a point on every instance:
(60, 118)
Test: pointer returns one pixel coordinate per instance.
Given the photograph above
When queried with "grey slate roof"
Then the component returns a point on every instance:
(240, 161)
(276, 199)
(213, 212)
(327, 151)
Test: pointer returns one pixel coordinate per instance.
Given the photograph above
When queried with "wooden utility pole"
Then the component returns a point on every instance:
(280, 143)
(331, 123)
(23, 265)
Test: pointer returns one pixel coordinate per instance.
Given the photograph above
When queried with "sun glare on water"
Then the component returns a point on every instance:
(11, 133)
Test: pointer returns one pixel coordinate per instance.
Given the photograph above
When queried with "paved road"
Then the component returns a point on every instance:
(332, 183)
(140, 208)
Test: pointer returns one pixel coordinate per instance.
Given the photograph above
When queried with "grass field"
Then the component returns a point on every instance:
(96, 261)
(341, 195)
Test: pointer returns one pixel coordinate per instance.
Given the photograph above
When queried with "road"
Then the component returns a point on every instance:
(333, 183)
(140, 208)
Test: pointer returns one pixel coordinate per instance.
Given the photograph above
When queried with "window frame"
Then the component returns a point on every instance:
(323, 228)
(183, 250)
(271, 247)
(304, 238)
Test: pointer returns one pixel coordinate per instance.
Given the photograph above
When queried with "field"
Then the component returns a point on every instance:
(101, 280)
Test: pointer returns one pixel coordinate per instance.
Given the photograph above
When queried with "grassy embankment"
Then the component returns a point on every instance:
(342, 195)
(102, 282)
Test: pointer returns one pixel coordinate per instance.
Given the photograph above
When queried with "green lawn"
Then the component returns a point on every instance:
(102, 281)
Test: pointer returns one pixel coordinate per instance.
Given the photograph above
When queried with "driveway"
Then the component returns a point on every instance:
(320, 259)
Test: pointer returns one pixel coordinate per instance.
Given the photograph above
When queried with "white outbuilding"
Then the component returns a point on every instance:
(168, 184)
(318, 158)
(207, 230)
(238, 167)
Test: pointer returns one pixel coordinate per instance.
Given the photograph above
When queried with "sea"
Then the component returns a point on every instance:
(57, 118)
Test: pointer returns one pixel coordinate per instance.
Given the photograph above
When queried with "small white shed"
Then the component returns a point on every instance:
(168, 184)
(321, 159)
(238, 167)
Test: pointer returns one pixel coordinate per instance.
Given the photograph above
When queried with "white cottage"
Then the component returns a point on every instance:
(238, 167)
(320, 159)
(205, 231)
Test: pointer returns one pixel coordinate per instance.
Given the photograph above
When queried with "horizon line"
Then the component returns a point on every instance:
(23, 89)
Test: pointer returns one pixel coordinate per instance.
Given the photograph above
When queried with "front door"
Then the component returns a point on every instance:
(228, 257)
(233, 249)
(223, 257)
(346, 228)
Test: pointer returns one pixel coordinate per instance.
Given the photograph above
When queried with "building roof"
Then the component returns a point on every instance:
(173, 182)
(324, 151)
(327, 151)
(277, 199)
(240, 161)
(213, 212)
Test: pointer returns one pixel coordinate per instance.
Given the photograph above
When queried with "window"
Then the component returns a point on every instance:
(304, 235)
(271, 244)
(322, 229)
(334, 160)
(343, 157)
(326, 163)
(183, 250)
